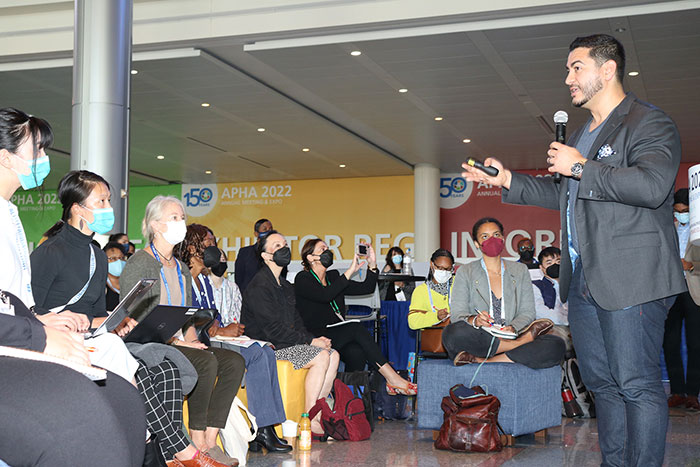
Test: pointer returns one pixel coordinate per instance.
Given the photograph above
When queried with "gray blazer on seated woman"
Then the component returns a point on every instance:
(493, 291)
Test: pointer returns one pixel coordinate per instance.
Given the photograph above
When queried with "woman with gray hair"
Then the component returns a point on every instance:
(219, 371)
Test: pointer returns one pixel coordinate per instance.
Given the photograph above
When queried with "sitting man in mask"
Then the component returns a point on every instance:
(526, 251)
(547, 298)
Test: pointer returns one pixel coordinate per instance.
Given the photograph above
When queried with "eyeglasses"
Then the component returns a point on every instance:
(526, 248)
(112, 259)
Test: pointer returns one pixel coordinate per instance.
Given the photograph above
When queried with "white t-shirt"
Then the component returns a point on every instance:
(15, 273)
(559, 314)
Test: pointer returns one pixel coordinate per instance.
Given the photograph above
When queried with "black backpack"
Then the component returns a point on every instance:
(388, 407)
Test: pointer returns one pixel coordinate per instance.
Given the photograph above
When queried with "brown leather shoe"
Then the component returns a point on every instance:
(538, 327)
(204, 460)
(676, 400)
(464, 358)
(691, 403)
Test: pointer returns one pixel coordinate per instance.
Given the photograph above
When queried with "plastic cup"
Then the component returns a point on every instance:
(289, 429)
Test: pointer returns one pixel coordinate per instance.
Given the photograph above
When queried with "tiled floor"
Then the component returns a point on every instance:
(574, 443)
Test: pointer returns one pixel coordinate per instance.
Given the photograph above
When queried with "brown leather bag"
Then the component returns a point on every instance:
(470, 424)
(431, 338)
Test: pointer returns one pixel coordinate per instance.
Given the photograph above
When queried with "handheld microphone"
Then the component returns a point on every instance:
(488, 170)
(560, 120)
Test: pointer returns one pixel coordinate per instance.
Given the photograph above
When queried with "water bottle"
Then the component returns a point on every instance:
(305, 433)
(407, 262)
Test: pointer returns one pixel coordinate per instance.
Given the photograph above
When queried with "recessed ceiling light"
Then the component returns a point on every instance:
(205, 104)
(342, 166)
(438, 119)
(208, 172)
(134, 72)
(633, 73)
(355, 53)
(261, 130)
(466, 140)
(160, 157)
(402, 90)
(305, 149)
(620, 30)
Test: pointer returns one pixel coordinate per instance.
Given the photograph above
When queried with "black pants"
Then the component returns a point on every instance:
(219, 372)
(53, 416)
(683, 309)
(544, 352)
(355, 346)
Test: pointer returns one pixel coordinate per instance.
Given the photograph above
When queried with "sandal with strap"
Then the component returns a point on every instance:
(410, 390)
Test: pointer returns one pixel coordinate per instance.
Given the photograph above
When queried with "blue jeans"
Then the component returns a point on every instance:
(262, 385)
(618, 354)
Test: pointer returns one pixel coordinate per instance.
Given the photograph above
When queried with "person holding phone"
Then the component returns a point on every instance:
(320, 300)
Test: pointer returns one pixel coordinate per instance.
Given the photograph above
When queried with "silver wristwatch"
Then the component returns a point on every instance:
(577, 170)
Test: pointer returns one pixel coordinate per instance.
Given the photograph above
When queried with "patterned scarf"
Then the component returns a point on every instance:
(442, 289)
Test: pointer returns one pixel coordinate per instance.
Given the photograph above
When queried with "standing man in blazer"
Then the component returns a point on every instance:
(684, 385)
(619, 268)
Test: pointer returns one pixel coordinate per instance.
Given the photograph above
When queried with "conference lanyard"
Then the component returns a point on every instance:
(334, 305)
(165, 281)
(430, 297)
(204, 291)
(503, 294)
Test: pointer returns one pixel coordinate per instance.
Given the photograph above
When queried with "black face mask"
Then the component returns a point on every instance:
(527, 255)
(125, 248)
(553, 271)
(326, 258)
(220, 269)
(211, 256)
(282, 257)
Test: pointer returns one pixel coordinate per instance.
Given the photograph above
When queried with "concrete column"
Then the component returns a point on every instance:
(426, 202)
(101, 87)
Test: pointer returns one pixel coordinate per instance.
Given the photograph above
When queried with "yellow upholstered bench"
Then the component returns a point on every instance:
(292, 390)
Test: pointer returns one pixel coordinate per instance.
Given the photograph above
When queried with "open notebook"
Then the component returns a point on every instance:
(94, 373)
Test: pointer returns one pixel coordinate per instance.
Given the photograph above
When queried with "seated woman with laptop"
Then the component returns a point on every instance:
(68, 270)
(219, 371)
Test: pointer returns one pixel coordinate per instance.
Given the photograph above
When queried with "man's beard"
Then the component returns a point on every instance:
(589, 90)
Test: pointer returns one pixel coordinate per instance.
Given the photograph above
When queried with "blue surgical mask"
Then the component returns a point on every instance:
(38, 171)
(682, 217)
(104, 220)
(396, 259)
(116, 267)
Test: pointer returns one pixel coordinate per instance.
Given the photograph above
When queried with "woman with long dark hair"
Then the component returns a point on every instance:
(320, 300)
(395, 290)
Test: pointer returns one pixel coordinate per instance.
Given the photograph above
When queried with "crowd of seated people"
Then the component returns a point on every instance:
(67, 286)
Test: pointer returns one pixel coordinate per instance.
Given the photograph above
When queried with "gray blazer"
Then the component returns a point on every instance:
(624, 215)
(471, 290)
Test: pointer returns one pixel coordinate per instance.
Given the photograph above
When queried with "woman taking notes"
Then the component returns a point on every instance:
(496, 294)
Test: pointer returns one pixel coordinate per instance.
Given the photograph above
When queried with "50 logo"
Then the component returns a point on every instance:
(454, 191)
(199, 199)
